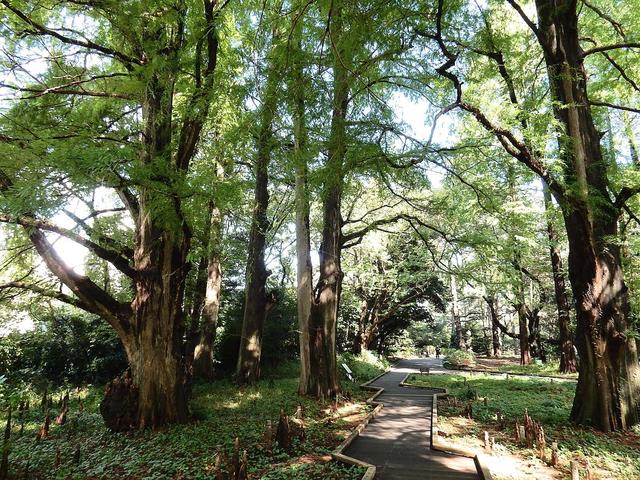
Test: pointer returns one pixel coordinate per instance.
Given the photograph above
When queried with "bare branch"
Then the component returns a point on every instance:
(597, 103)
(606, 48)
(524, 17)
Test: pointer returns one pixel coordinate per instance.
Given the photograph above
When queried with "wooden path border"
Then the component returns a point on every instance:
(338, 454)
(510, 374)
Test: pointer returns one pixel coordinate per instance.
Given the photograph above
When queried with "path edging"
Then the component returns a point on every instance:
(513, 374)
(440, 445)
(337, 454)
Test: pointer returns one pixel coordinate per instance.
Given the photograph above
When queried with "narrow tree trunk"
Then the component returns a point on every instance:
(536, 347)
(459, 341)
(304, 277)
(567, 353)
(362, 326)
(257, 304)
(609, 376)
(523, 333)
(496, 338)
(323, 381)
(203, 350)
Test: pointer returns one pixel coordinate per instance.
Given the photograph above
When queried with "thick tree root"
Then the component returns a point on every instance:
(119, 407)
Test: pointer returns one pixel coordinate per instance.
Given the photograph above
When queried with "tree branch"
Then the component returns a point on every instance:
(96, 300)
(606, 48)
(597, 103)
(47, 293)
(40, 29)
(112, 256)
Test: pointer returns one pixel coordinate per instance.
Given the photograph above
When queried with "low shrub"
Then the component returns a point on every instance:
(459, 359)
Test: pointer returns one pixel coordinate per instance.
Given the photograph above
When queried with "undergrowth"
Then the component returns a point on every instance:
(220, 411)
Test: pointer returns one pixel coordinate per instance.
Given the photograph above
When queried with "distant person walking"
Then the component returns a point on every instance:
(437, 352)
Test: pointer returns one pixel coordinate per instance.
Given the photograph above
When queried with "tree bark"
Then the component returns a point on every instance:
(204, 348)
(304, 276)
(523, 334)
(567, 353)
(257, 303)
(458, 333)
(609, 377)
(323, 380)
(496, 339)
(154, 347)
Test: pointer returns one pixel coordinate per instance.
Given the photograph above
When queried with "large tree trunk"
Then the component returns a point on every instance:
(304, 277)
(496, 338)
(567, 353)
(609, 376)
(458, 332)
(323, 381)
(257, 303)
(203, 350)
(157, 393)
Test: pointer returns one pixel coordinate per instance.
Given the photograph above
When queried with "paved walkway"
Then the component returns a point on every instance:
(398, 440)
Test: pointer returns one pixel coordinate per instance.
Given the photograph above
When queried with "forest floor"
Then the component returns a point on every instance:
(611, 456)
(221, 412)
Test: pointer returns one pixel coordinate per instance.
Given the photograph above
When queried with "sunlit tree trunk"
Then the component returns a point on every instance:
(304, 277)
(203, 352)
(567, 353)
(496, 338)
(257, 302)
(458, 332)
(323, 381)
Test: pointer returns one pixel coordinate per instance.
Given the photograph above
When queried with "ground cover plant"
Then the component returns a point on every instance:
(496, 405)
(82, 448)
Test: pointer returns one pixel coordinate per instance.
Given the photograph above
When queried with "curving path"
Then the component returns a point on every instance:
(398, 440)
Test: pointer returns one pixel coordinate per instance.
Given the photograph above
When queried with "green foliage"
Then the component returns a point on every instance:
(64, 348)
(459, 358)
(364, 366)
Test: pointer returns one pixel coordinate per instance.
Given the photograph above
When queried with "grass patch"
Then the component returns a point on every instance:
(615, 455)
(221, 412)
